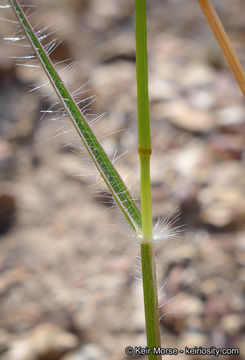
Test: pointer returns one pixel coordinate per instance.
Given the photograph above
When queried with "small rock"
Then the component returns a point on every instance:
(47, 341)
(192, 339)
(192, 161)
(18, 123)
(201, 99)
(112, 80)
(175, 278)
(177, 311)
(236, 302)
(87, 352)
(197, 75)
(217, 215)
(185, 117)
(222, 203)
(222, 206)
(232, 324)
(195, 322)
(107, 12)
(231, 117)
(186, 194)
(216, 306)
(161, 90)
(211, 285)
(186, 305)
(227, 147)
(184, 252)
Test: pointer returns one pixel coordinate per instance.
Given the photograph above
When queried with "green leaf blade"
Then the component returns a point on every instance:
(107, 171)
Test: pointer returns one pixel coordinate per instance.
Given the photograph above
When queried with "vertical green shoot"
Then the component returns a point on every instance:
(143, 117)
(147, 253)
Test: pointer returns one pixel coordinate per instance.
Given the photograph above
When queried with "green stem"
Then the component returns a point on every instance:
(145, 190)
(143, 117)
(147, 253)
(150, 298)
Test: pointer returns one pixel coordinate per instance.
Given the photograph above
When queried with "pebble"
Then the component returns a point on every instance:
(185, 117)
(87, 352)
(192, 161)
(184, 252)
(192, 339)
(216, 306)
(231, 116)
(197, 75)
(227, 146)
(178, 310)
(162, 90)
(112, 81)
(108, 12)
(211, 285)
(201, 99)
(222, 205)
(47, 340)
(232, 324)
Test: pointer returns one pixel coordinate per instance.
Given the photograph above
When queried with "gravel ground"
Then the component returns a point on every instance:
(69, 270)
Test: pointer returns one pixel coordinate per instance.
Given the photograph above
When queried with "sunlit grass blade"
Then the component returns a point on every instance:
(109, 174)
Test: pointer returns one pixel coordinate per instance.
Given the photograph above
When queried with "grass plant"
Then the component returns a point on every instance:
(141, 222)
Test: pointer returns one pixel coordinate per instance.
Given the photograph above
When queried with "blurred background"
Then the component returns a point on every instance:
(68, 265)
